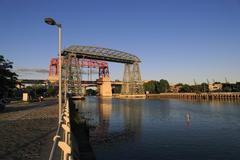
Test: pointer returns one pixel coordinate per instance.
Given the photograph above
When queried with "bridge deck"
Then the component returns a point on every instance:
(99, 53)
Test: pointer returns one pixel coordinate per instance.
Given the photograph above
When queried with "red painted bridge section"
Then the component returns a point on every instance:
(102, 67)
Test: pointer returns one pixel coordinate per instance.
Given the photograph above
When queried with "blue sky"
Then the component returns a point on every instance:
(177, 40)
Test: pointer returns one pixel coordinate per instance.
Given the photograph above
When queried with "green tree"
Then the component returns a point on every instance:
(204, 87)
(227, 87)
(185, 88)
(236, 87)
(52, 91)
(8, 78)
(91, 92)
(156, 86)
(150, 86)
(40, 90)
(195, 88)
(162, 86)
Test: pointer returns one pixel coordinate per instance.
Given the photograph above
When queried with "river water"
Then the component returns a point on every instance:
(162, 129)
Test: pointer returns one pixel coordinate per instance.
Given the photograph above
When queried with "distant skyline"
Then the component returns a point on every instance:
(176, 40)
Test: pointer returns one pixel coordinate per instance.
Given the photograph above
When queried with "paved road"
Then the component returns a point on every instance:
(26, 130)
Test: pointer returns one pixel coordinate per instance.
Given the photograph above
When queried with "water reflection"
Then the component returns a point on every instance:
(132, 115)
(187, 119)
(162, 129)
(127, 116)
(105, 111)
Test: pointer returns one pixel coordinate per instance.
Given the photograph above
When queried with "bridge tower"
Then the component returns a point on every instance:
(72, 75)
(132, 82)
(53, 70)
(105, 87)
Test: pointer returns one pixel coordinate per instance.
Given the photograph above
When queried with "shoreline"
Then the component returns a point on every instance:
(198, 96)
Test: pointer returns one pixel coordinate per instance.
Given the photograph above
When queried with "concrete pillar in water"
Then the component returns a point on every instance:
(105, 88)
(84, 90)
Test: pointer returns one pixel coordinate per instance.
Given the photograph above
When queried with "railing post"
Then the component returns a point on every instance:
(64, 141)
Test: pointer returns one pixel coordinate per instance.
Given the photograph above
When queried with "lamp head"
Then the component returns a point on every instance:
(50, 21)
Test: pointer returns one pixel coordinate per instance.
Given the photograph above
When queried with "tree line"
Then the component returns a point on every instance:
(162, 86)
(8, 78)
(156, 86)
(8, 82)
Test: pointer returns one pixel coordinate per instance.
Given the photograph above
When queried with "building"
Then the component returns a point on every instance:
(175, 88)
(217, 86)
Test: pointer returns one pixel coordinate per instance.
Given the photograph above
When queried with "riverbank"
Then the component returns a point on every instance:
(27, 129)
(203, 96)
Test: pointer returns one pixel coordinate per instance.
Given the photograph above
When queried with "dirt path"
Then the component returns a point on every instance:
(26, 130)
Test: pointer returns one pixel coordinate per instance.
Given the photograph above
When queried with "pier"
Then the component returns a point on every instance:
(204, 96)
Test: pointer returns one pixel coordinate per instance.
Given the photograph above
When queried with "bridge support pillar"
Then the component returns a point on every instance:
(84, 90)
(105, 89)
(132, 83)
(72, 78)
(126, 79)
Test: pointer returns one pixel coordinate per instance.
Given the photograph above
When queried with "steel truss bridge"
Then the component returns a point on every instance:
(93, 66)
(75, 56)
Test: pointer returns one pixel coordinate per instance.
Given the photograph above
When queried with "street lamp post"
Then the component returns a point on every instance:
(52, 22)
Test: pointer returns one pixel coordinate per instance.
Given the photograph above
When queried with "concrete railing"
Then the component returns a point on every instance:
(62, 139)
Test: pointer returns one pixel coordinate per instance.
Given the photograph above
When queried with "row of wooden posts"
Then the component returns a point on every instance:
(204, 96)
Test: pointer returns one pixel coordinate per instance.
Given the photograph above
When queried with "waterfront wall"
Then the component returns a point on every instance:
(205, 96)
(81, 147)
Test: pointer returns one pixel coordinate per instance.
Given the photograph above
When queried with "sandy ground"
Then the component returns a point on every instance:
(27, 129)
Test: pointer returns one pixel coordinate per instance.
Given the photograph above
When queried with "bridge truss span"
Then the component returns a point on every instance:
(132, 83)
(99, 53)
